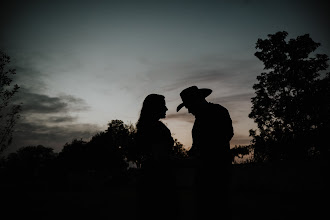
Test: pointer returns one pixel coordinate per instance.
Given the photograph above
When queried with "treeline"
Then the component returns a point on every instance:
(109, 156)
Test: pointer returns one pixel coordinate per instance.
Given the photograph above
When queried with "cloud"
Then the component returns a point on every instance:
(235, 102)
(181, 117)
(35, 133)
(44, 104)
(59, 119)
(239, 139)
(214, 69)
(243, 97)
(49, 121)
(198, 78)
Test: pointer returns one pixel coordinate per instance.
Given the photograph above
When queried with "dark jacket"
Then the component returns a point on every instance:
(211, 133)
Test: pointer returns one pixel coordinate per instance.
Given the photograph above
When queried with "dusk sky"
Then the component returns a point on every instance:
(81, 64)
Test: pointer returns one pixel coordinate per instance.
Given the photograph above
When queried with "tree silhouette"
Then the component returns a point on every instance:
(108, 149)
(9, 112)
(178, 150)
(240, 151)
(30, 163)
(74, 155)
(106, 152)
(104, 159)
(291, 106)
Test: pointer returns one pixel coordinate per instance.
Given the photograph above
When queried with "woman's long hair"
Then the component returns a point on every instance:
(150, 109)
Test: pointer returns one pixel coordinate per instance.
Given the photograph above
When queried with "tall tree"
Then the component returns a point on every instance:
(9, 112)
(292, 99)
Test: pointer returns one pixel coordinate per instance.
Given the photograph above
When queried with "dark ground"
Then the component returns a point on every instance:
(287, 190)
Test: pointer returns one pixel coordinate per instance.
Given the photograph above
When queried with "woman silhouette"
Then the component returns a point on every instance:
(154, 138)
(154, 143)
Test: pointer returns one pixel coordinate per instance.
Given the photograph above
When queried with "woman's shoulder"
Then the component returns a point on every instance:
(162, 126)
(155, 130)
(152, 128)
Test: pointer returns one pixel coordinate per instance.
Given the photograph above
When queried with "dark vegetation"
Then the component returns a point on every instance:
(109, 156)
(292, 102)
(9, 112)
(286, 177)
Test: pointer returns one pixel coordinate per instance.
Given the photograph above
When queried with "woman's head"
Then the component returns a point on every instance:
(153, 108)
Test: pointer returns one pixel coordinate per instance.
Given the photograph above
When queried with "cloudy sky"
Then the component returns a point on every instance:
(81, 64)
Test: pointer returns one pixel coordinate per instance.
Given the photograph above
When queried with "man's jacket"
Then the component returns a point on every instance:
(211, 133)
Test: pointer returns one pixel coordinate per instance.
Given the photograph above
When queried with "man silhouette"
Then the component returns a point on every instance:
(211, 134)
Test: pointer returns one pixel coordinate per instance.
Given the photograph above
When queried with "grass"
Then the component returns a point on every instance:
(287, 190)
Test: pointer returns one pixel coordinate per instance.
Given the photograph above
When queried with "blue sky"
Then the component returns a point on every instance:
(81, 64)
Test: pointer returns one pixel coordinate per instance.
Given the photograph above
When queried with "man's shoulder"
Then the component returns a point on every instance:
(217, 107)
(217, 112)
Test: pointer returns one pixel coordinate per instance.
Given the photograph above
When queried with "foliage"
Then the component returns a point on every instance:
(9, 112)
(240, 151)
(30, 161)
(74, 155)
(178, 150)
(291, 106)
(108, 151)
(105, 157)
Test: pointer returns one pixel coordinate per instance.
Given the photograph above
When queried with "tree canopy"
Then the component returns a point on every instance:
(9, 112)
(291, 105)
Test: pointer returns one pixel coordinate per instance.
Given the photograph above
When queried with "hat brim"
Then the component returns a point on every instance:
(179, 107)
(203, 92)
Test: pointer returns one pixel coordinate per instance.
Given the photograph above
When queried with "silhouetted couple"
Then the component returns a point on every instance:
(211, 134)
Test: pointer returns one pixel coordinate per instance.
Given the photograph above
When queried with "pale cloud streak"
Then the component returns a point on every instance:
(50, 121)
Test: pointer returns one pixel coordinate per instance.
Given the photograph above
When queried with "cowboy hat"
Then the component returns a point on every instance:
(191, 94)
